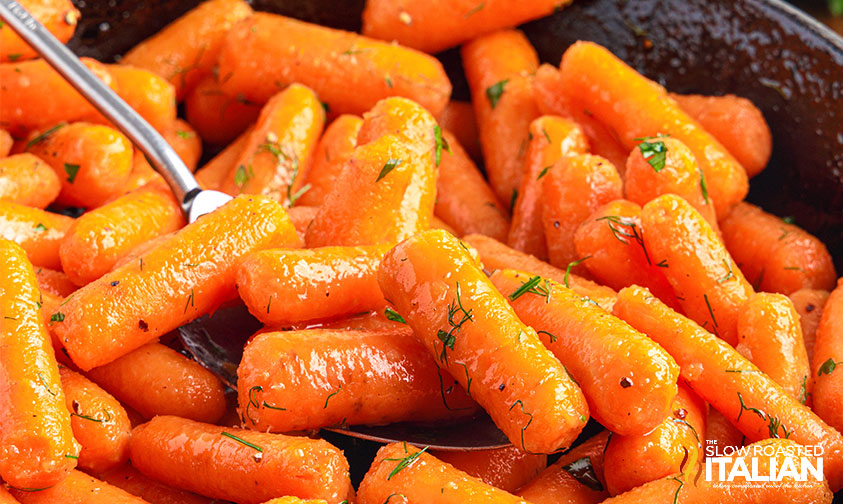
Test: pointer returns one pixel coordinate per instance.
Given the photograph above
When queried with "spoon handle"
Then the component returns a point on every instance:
(157, 150)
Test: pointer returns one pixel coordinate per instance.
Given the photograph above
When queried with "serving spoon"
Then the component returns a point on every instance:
(216, 341)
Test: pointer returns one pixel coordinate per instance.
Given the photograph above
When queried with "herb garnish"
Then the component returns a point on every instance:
(494, 92)
(388, 167)
(243, 441)
(533, 286)
(44, 135)
(571, 265)
(449, 338)
(655, 153)
(393, 315)
(71, 170)
(441, 143)
(404, 462)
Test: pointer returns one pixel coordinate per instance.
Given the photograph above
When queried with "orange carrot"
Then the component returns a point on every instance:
(184, 140)
(720, 433)
(131, 480)
(215, 171)
(572, 190)
(6, 497)
(349, 72)
(99, 423)
(184, 277)
(628, 381)
(593, 449)
(499, 68)
(463, 198)
(59, 17)
(809, 305)
(335, 147)
(187, 49)
(551, 138)
(37, 448)
(54, 282)
(576, 478)
(6, 143)
(717, 373)
(78, 488)
(237, 464)
(828, 352)
(505, 468)
(217, 117)
(707, 282)
(371, 377)
(776, 255)
(736, 123)
(458, 118)
(141, 174)
(26, 180)
(37, 231)
(481, 342)
(294, 500)
(301, 217)
(148, 93)
(101, 237)
(635, 107)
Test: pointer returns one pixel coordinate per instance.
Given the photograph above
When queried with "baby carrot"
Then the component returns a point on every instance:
(505, 468)
(498, 67)
(236, 464)
(39, 232)
(294, 500)
(481, 342)
(301, 217)
(463, 198)
(93, 162)
(37, 448)
(828, 352)
(131, 480)
(151, 95)
(59, 17)
(99, 423)
(217, 117)
(496, 255)
(720, 433)
(141, 174)
(184, 140)
(707, 282)
(628, 381)
(634, 107)
(717, 373)
(357, 377)
(437, 223)
(592, 449)
(774, 254)
(189, 274)
(405, 474)
(279, 148)
(442, 24)
(187, 49)
(334, 148)
(214, 173)
(283, 286)
(101, 237)
(573, 189)
(6, 143)
(26, 180)
(551, 137)
(458, 118)
(809, 305)
(736, 123)
(673, 445)
(769, 335)
(54, 282)
(6, 497)
(555, 485)
(349, 72)
(78, 488)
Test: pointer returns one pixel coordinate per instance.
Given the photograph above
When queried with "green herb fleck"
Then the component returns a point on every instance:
(513, 200)
(494, 92)
(44, 383)
(331, 395)
(655, 153)
(552, 337)
(525, 426)
(184, 134)
(728, 275)
(544, 172)
(388, 81)
(788, 219)
(190, 300)
(535, 285)
(40, 227)
(388, 167)
(57, 317)
(243, 441)
(477, 8)
(571, 265)
(449, 338)
(441, 143)
(44, 135)
(703, 186)
(828, 367)
(14, 57)
(394, 315)
(404, 462)
(71, 170)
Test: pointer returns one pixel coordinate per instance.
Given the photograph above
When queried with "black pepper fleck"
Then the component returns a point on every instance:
(626, 382)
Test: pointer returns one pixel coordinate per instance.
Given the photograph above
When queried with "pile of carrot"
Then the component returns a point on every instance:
(572, 247)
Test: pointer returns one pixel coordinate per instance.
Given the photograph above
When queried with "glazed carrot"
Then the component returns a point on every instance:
(770, 336)
(774, 254)
(463, 198)
(635, 107)
(101, 237)
(437, 223)
(404, 118)
(49, 304)
(505, 468)
(99, 423)
(674, 445)
(37, 448)
(171, 383)
(613, 240)
(59, 17)
(355, 377)
(717, 373)
(6, 497)
(237, 464)
(458, 118)
(34, 96)
(828, 352)
(498, 68)
(294, 500)
(131, 480)
(279, 148)
(809, 305)
(404, 474)
(213, 174)
(93, 162)
(186, 50)
(301, 217)
(349, 72)
(184, 140)
(54, 282)
(664, 165)
(78, 488)
(496, 255)
(707, 282)
(628, 381)
(189, 273)
(217, 117)
(37, 231)
(592, 449)
(283, 286)
(151, 95)
(720, 433)
(141, 174)
(736, 123)
(551, 138)
(334, 148)
(573, 189)
(6, 143)
(481, 341)
(26, 180)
